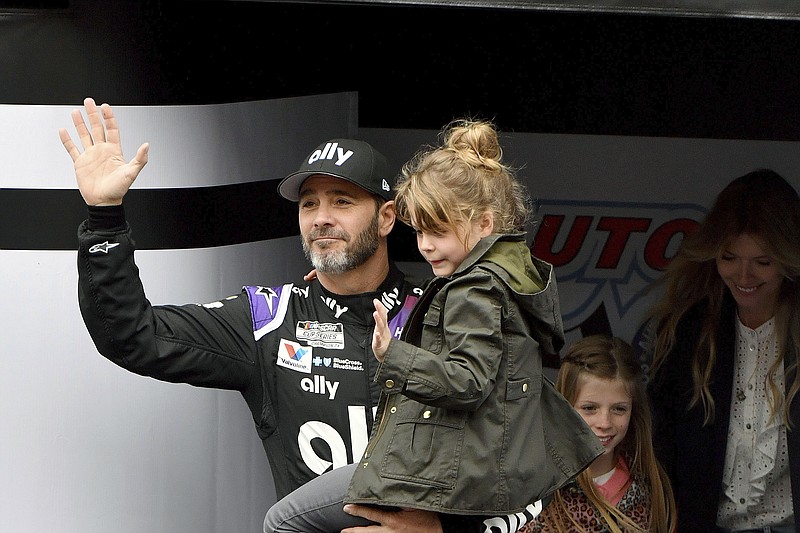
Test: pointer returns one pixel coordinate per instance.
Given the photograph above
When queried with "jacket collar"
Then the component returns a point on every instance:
(483, 246)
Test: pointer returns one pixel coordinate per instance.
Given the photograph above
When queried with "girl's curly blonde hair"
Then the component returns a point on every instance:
(454, 183)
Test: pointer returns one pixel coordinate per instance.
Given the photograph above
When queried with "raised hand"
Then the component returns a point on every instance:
(381, 336)
(102, 173)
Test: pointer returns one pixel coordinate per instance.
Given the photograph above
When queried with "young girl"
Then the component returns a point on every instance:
(625, 489)
(466, 424)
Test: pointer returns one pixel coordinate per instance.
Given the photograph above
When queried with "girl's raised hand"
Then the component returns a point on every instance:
(381, 336)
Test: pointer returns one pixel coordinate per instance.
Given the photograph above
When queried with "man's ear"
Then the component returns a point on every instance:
(386, 218)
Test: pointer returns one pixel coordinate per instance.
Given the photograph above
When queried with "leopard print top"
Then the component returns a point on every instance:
(635, 503)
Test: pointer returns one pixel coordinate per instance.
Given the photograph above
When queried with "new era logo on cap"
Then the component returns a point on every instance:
(355, 161)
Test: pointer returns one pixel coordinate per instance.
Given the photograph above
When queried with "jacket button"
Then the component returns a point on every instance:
(524, 387)
(426, 414)
(393, 410)
(389, 383)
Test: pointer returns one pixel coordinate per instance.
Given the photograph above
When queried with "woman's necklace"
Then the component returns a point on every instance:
(740, 395)
(748, 336)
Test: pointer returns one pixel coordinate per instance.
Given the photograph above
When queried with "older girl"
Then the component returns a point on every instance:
(625, 489)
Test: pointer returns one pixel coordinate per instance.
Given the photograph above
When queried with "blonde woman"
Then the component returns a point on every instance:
(724, 379)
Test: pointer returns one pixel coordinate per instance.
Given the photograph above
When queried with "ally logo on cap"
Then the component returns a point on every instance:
(331, 151)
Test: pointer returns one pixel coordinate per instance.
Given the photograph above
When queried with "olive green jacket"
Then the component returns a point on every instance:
(467, 423)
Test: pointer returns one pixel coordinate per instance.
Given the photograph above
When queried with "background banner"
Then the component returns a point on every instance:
(613, 209)
(90, 448)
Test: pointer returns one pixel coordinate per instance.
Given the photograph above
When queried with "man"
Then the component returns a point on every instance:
(267, 343)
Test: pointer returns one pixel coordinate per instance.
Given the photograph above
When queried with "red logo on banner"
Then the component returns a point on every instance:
(606, 255)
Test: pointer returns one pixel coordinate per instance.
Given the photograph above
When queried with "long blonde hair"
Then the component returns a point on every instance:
(765, 206)
(608, 358)
(456, 182)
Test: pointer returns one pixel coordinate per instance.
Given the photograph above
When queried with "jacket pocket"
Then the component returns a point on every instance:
(432, 329)
(425, 446)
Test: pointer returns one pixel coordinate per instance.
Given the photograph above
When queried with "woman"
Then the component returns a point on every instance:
(724, 379)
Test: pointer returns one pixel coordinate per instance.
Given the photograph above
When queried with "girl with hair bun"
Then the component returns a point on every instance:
(466, 425)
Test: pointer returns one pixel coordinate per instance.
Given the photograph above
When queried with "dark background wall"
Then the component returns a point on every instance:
(417, 66)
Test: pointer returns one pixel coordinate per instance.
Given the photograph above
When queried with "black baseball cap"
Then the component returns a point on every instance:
(355, 161)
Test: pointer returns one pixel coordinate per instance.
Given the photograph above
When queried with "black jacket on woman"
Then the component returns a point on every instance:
(692, 454)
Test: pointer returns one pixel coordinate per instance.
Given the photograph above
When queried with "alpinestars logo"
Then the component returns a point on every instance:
(103, 247)
(331, 151)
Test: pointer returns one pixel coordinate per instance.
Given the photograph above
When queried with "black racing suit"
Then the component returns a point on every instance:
(300, 356)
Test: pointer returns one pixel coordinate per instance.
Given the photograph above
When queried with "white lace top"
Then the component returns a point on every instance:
(756, 485)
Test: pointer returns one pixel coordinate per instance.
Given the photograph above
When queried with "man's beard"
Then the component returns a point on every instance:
(355, 253)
